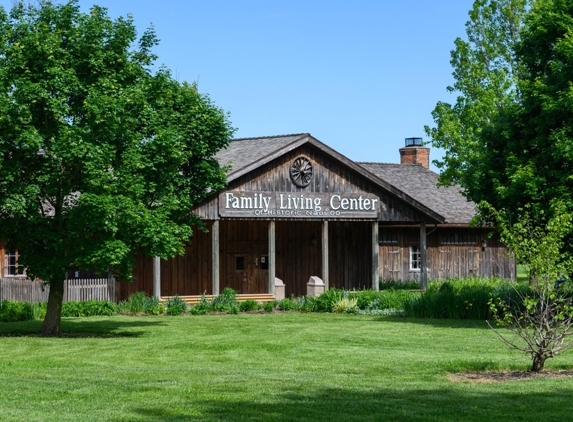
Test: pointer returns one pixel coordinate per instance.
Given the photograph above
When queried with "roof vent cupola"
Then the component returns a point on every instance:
(415, 153)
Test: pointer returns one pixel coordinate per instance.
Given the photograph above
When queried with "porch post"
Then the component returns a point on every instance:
(215, 257)
(375, 257)
(325, 254)
(156, 277)
(423, 266)
(271, 258)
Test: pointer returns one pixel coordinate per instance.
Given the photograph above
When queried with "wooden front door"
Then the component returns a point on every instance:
(247, 267)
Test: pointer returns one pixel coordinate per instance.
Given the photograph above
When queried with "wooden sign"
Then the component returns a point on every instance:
(298, 205)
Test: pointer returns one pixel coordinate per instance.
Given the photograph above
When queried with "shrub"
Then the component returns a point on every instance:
(98, 308)
(269, 306)
(225, 302)
(399, 285)
(326, 301)
(152, 306)
(466, 298)
(123, 307)
(249, 306)
(71, 309)
(346, 304)
(39, 310)
(287, 305)
(88, 308)
(364, 297)
(387, 299)
(175, 306)
(304, 303)
(136, 303)
(15, 311)
(198, 309)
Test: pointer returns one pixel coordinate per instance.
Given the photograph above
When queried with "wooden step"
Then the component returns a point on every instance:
(195, 299)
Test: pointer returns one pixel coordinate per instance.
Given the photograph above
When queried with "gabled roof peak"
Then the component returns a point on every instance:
(290, 135)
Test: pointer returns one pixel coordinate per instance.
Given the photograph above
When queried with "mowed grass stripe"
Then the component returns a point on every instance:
(269, 367)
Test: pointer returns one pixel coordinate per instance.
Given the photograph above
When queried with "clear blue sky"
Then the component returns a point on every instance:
(358, 75)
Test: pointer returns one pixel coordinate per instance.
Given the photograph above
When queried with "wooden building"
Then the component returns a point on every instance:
(295, 208)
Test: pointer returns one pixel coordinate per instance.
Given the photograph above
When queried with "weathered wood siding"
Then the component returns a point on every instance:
(298, 254)
(350, 257)
(248, 242)
(189, 274)
(298, 257)
(330, 176)
(451, 253)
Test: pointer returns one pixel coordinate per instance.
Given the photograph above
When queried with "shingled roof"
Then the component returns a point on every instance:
(412, 183)
(244, 154)
(422, 185)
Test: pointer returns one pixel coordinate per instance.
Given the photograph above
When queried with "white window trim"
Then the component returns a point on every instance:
(6, 265)
(417, 259)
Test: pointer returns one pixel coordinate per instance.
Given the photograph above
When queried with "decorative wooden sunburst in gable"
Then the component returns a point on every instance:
(301, 171)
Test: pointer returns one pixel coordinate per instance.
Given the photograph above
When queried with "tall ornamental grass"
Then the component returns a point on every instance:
(466, 298)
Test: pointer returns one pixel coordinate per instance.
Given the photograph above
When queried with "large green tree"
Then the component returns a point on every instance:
(509, 136)
(528, 148)
(485, 72)
(101, 153)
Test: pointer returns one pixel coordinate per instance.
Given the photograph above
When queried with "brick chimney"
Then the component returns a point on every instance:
(415, 153)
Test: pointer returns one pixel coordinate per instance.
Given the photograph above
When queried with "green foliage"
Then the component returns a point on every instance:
(399, 285)
(486, 72)
(529, 158)
(225, 302)
(39, 310)
(15, 311)
(175, 306)
(326, 301)
(456, 299)
(287, 304)
(334, 300)
(249, 306)
(136, 303)
(364, 297)
(152, 306)
(304, 303)
(508, 137)
(539, 321)
(537, 239)
(269, 306)
(88, 308)
(198, 309)
(344, 305)
(140, 303)
(102, 152)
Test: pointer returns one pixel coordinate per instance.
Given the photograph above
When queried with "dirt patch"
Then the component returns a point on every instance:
(506, 376)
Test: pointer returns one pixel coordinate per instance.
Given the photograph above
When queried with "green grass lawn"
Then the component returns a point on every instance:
(268, 367)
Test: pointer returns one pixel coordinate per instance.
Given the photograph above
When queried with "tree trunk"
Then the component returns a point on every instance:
(538, 362)
(51, 324)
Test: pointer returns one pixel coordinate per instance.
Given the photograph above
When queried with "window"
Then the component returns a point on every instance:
(239, 263)
(415, 258)
(264, 262)
(10, 267)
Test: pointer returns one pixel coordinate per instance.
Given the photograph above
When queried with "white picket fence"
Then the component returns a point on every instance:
(21, 289)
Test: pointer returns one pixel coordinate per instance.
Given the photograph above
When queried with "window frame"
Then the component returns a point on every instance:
(415, 258)
(10, 269)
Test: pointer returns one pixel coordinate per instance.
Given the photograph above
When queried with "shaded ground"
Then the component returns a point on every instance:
(485, 377)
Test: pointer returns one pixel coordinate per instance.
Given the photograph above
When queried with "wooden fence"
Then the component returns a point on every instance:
(20, 289)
